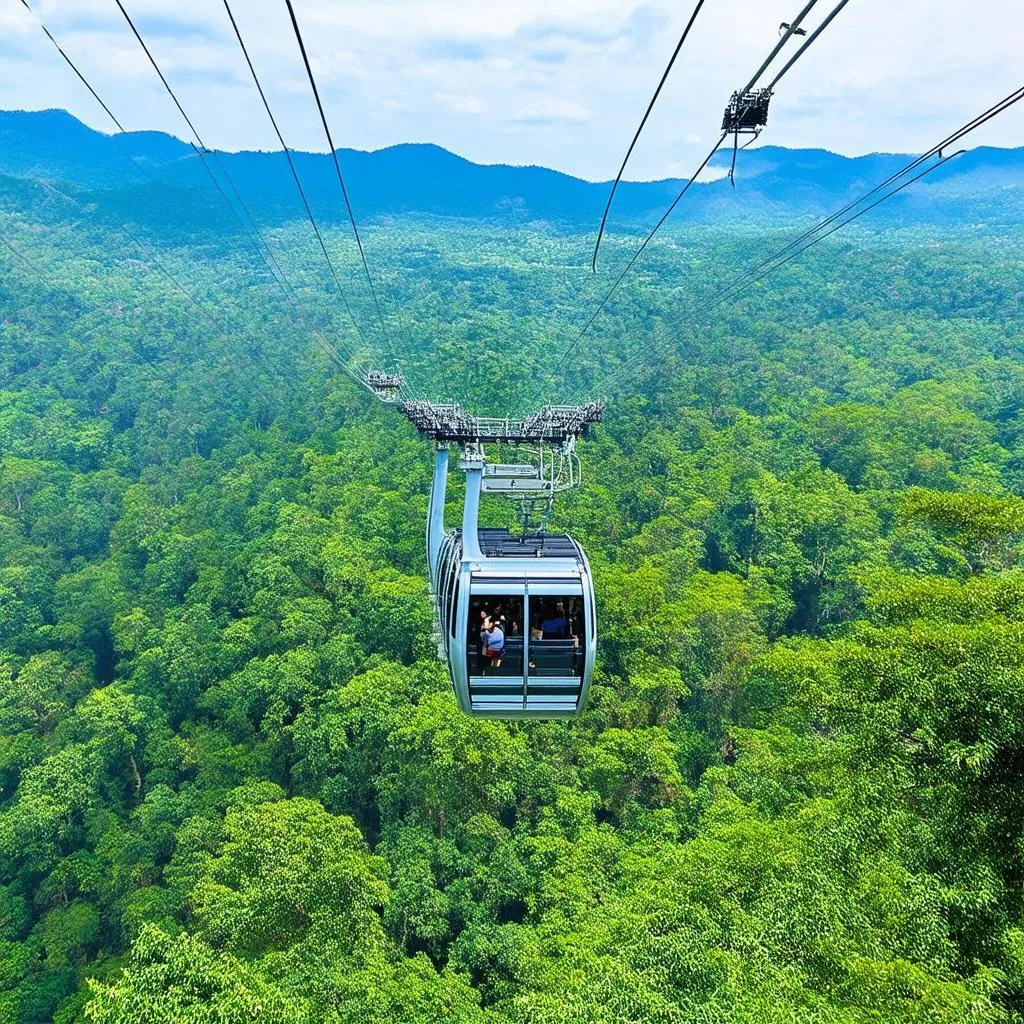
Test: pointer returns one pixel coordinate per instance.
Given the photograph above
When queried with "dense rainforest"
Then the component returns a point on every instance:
(234, 784)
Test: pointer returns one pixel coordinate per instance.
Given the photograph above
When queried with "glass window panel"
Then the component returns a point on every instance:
(557, 636)
(455, 606)
(489, 653)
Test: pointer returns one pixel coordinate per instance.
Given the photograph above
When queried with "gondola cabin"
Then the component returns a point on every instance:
(536, 588)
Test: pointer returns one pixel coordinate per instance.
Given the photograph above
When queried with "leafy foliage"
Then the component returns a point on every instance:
(234, 785)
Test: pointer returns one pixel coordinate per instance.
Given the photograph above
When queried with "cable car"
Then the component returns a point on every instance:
(538, 587)
(534, 584)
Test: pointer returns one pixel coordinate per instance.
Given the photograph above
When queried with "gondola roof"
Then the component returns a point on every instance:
(501, 543)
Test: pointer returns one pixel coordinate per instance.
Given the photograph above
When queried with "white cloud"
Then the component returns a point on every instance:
(461, 103)
(557, 82)
(710, 174)
(552, 111)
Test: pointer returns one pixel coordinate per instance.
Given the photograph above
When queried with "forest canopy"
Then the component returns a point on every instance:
(234, 783)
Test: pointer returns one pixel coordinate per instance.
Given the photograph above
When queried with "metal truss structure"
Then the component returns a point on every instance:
(386, 386)
(747, 112)
(554, 424)
(547, 437)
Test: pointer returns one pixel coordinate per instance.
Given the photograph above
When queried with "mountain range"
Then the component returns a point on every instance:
(981, 186)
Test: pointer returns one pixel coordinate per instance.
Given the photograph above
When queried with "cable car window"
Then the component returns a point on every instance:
(453, 610)
(443, 585)
(557, 636)
(451, 570)
(491, 653)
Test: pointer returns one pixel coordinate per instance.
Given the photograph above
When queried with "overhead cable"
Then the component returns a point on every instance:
(286, 151)
(291, 165)
(337, 167)
(791, 30)
(639, 252)
(96, 95)
(935, 150)
(808, 43)
(49, 35)
(174, 281)
(842, 224)
(156, 68)
(780, 261)
(216, 321)
(636, 136)
(632, 364)
(785, 255)
(71, 64)
(200, 149)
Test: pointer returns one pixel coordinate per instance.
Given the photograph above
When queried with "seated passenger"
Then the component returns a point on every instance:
(556, 626)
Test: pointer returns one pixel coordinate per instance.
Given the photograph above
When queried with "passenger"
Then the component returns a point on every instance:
(499, 616)
(556, 626)
(495, 643)
(536, 633)
(483, 636)
(575, 627)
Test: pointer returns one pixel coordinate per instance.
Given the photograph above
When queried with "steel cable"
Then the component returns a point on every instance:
(808, 43)
(785, 255)
(92, 91)
(288, 157)
(636, 360)
(336, 359)
(341, 177)
(636, 136)
(71, 64)
(836, 227)
(793, 27)
(937, 149)
(200, 151)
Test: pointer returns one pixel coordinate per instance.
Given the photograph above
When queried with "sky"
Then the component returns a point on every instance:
(561, 83)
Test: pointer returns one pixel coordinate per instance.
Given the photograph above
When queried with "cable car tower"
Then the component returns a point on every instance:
(534, 585)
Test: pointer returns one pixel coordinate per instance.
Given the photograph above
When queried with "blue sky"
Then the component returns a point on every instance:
(555, 82)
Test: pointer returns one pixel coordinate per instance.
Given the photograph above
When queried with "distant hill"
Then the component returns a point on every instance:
(984, 185)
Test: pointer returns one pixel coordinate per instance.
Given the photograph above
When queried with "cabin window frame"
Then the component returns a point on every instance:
(526, 591)
(550, 591)
(509, 590)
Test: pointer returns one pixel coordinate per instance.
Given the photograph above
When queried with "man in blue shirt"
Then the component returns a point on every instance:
(556, 626)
